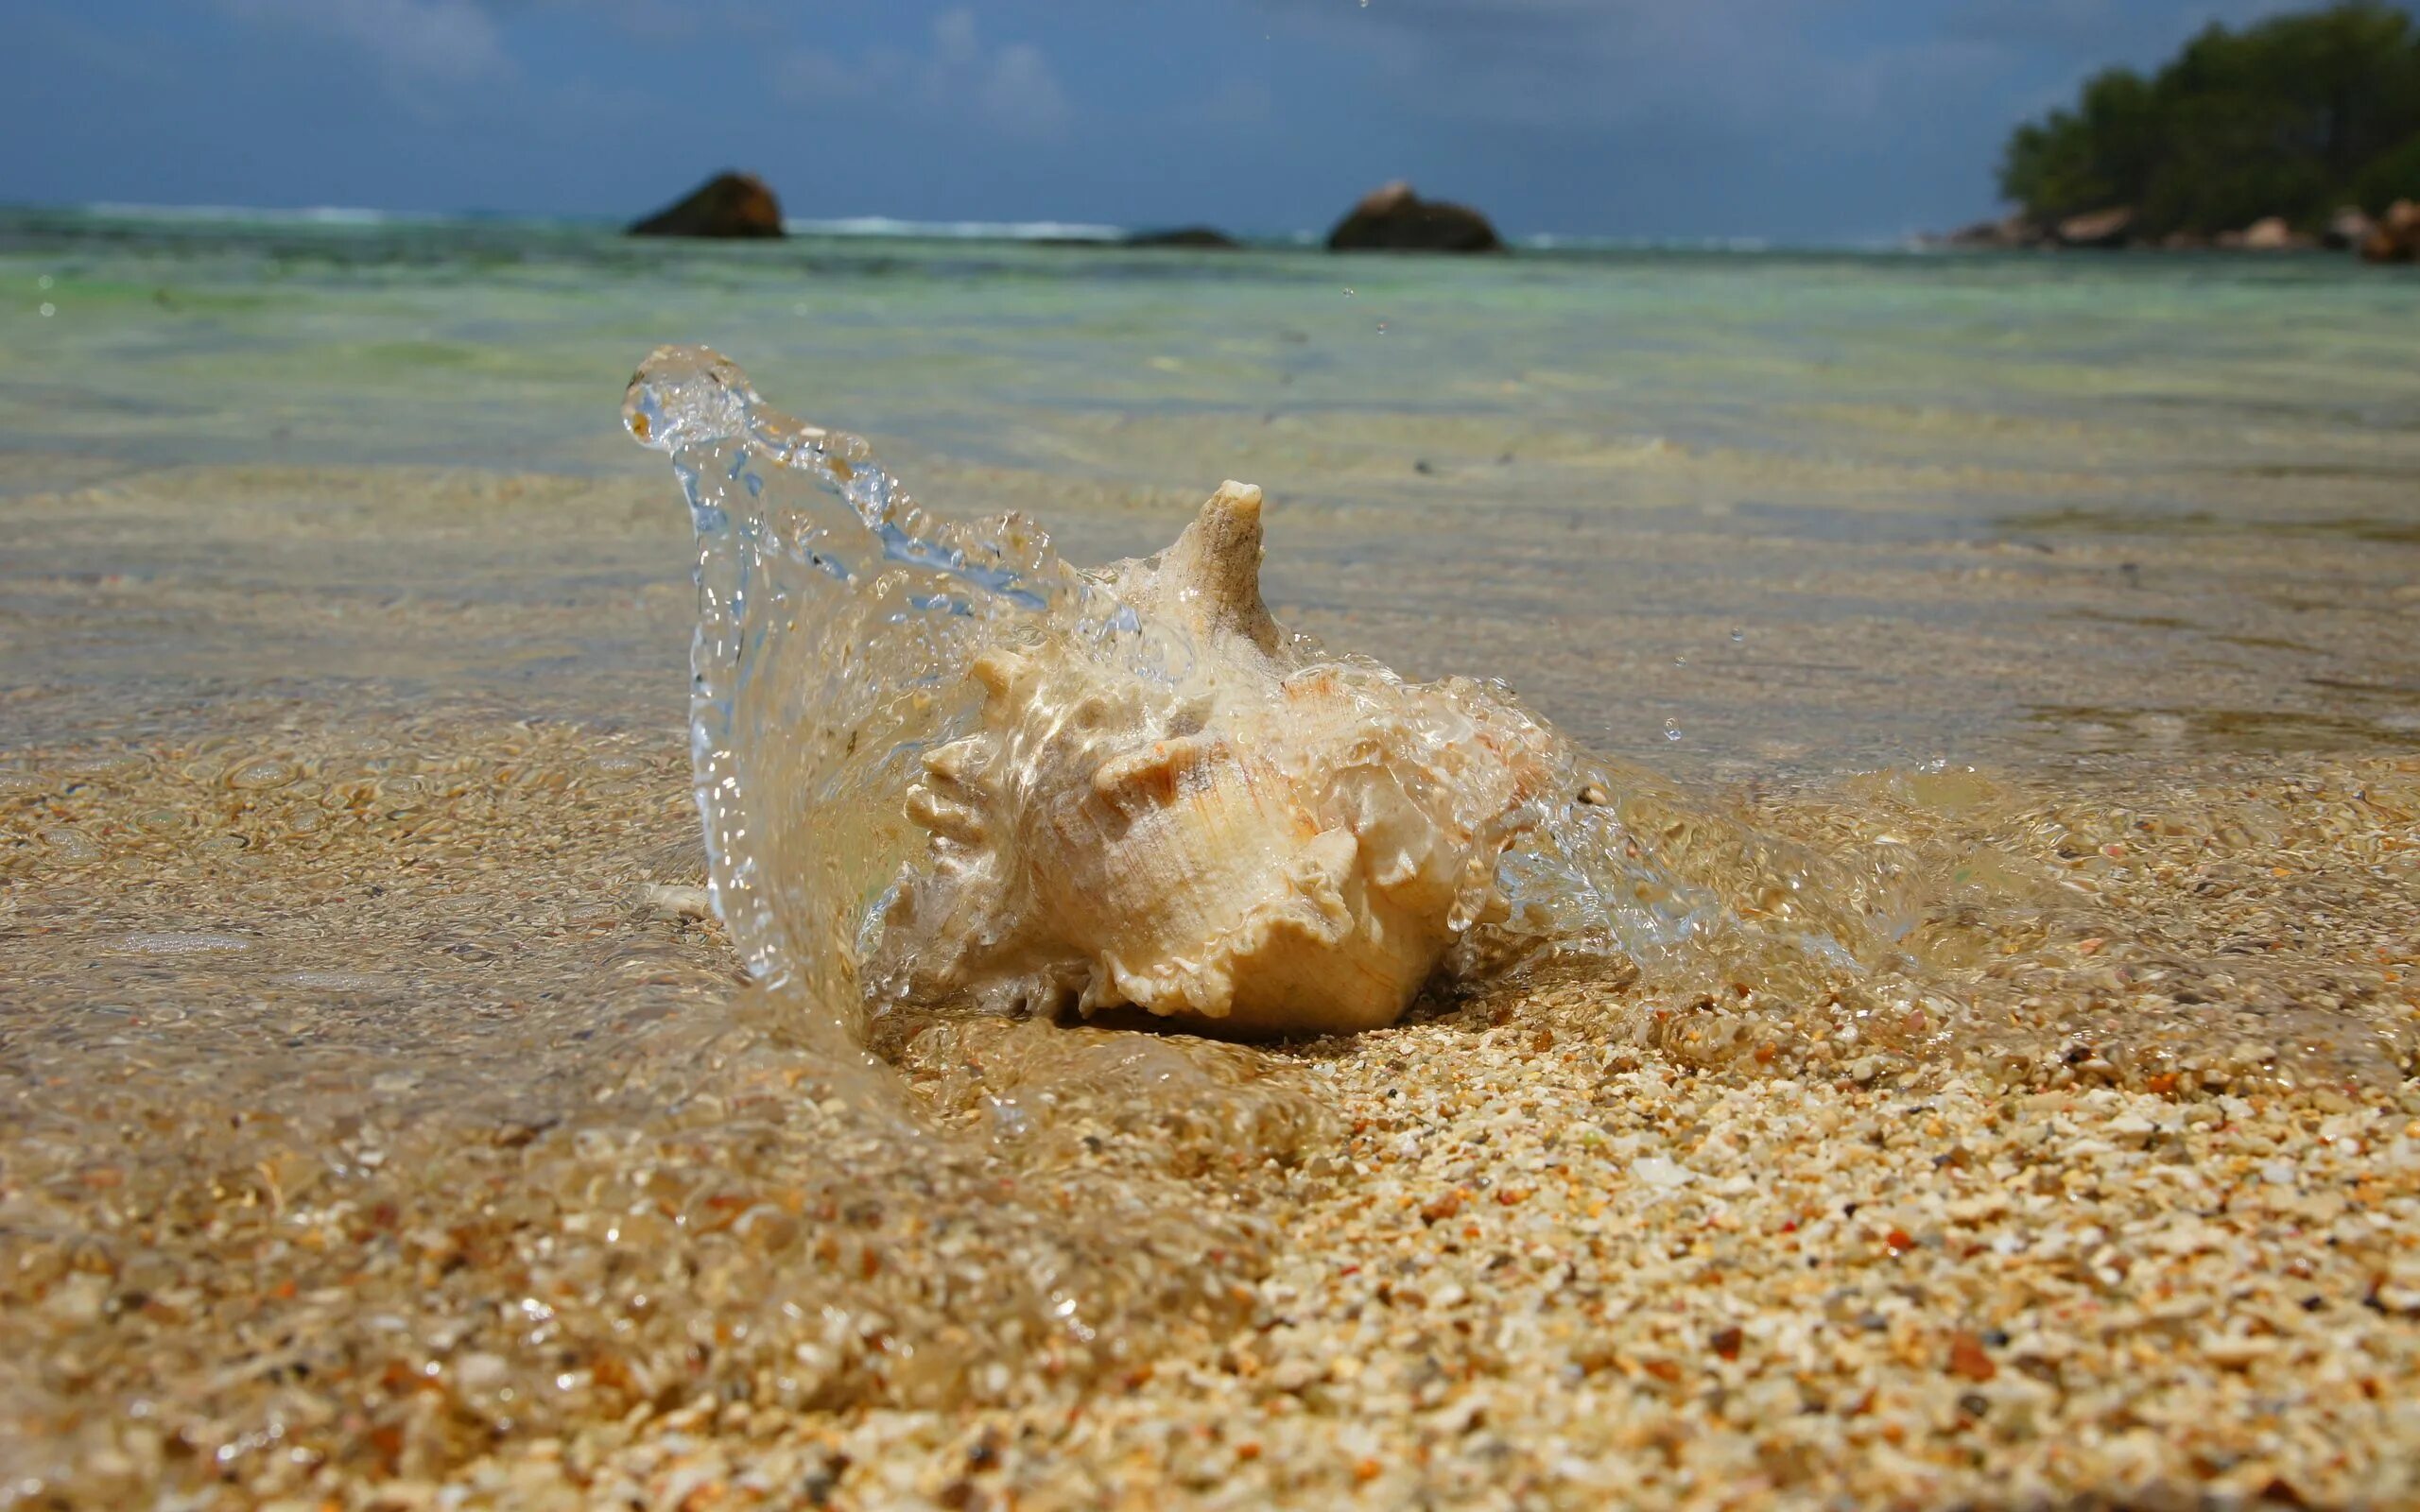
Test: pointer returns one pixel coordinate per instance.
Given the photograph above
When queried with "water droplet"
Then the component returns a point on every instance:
(1672, 730)
(48, 309)
(1738, 635)
(1348, 294)
(45, 282)
(1680, 660)
(70, 844)
(1382, 328)
(267, 771)
(174, 943)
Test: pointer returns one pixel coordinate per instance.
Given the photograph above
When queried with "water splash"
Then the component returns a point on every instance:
(837, 622)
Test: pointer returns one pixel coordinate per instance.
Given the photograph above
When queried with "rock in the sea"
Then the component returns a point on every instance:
(2270, 233)
(1393, 220)
(2101, 228)
(2347, 229)
(2397, 237)
(728, 204)
(1205, 237)
(1990, 235)
(1256, 841)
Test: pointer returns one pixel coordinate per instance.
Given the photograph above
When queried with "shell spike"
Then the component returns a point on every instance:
(1001, 672)
(1212, 574)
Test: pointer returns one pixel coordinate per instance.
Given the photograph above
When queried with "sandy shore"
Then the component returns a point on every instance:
(1532, 1278)
(1542, 1249)
(1546, 1256)
(362, 1075)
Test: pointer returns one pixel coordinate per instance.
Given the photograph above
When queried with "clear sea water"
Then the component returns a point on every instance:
(1838, 417)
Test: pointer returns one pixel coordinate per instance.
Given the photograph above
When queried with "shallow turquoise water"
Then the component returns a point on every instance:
(1907, 477)
(489, 342)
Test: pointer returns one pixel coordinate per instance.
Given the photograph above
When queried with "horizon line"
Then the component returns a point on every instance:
(877, 226)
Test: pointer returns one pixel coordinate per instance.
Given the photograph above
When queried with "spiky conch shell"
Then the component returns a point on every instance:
(1266, 846)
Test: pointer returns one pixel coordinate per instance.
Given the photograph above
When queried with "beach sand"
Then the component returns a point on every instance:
(1541, 1274)
(388, 1129)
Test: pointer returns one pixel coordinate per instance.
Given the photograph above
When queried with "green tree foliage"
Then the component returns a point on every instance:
(2292, 116)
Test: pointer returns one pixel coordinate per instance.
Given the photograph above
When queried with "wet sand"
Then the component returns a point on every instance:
(381, 1132)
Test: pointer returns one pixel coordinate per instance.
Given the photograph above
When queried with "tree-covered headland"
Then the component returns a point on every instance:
(2292, 118)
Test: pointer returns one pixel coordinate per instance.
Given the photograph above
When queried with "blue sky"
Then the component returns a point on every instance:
(1795, 120)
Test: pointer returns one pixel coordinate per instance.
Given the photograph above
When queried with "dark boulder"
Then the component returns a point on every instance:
(728, 204)
(1994, 235)
(1205, 237)
(1393, 220)
(2397, 237)
(2347, 229)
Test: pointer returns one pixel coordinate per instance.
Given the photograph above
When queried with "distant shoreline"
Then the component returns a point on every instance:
(886, 228)
(2392, 237)
(1089, 237)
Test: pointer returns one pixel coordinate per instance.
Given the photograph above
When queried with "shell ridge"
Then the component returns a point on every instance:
(1228, 833)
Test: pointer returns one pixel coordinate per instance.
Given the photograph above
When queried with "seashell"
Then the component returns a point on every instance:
(1239, 836)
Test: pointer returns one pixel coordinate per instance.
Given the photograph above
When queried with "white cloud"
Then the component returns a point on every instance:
(954, 44)
(1011, 88)
(1019, 91)
(445, 41)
